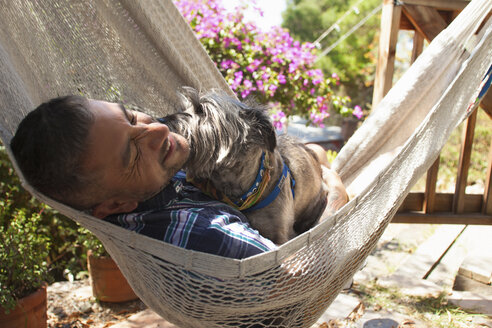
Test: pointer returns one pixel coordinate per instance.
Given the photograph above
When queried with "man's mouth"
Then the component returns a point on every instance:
(169, 146)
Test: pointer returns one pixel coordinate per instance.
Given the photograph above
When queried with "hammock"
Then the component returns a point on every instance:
(139, 52)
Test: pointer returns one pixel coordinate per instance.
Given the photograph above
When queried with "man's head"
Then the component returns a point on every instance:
(96, 155)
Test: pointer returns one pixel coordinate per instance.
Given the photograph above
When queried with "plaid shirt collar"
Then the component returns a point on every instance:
(173, 192)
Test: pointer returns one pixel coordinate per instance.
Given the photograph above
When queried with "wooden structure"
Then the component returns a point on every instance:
(428, 18)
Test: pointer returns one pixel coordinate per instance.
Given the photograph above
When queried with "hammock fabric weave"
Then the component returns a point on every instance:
(140, 52)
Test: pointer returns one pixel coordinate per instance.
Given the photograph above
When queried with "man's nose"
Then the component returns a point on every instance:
(156, 135)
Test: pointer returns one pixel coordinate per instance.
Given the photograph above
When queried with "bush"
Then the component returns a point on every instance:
(66, 256)
(271, 66)
(89, 241)
(23, 254)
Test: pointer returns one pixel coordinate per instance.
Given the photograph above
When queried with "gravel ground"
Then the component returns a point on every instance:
(71, 305)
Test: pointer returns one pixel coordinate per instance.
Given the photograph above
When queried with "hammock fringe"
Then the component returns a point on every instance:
(141, 52)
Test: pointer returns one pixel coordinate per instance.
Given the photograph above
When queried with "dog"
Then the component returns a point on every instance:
(236, 156)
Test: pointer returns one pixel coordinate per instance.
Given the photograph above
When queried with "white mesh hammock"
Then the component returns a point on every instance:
(140, 52)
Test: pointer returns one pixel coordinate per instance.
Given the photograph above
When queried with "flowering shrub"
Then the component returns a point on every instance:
(271, 65)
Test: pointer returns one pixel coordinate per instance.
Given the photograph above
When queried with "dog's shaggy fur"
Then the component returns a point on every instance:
(227, 139)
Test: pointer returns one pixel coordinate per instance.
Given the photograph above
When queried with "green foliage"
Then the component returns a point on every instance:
(23, 254)
(89, 241)
(354, 59)
(299, 13)
(331, 155)
(451, 153)
(66, 255)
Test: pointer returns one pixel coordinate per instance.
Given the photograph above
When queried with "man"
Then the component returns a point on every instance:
(124, 166)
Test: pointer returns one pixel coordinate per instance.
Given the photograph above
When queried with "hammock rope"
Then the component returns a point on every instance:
(139, 53)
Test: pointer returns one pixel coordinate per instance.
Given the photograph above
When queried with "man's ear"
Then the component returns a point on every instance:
(113, 206)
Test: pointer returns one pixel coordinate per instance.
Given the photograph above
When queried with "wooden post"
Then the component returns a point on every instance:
(487, 193)
(418, 45)
(390, 22)
(464, 163)
(430, 187)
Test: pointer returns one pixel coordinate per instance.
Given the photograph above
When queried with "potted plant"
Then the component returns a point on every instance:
(23, 269)
(107, 282)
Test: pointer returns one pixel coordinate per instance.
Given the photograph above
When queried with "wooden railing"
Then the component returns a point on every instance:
(428, 18)
(458, 208)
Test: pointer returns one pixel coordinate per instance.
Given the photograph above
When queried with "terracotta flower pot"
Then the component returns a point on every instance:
(107, 281)
(29, 312)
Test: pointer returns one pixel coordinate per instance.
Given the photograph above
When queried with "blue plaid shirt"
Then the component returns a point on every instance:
(183, 216)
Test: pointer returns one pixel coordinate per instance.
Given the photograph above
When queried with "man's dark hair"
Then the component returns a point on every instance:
(49, 145)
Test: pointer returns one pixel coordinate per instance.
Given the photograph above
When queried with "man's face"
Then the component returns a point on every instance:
(134, 156)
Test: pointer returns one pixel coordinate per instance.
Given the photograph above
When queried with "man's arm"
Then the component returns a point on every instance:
(211, 227)
(229, 236)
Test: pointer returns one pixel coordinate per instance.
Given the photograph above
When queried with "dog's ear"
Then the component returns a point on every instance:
(261, 123)
(190, 100)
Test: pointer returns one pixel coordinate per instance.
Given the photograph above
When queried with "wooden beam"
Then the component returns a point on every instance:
(390, 21)
(405, 23)
(448, 15)
(440, 4)
(487, 194)
(426, 20)
(414, 202)
(464, 163)
(418, 45)
(443, 218)
(430, 187)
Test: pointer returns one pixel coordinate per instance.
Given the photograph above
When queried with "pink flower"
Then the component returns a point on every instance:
(248, 84)
(358, 112)
(281, 79)
(259, 84)
(292, 68)
(238, 76)
(226, 64)
(245, 93)
(278, 119)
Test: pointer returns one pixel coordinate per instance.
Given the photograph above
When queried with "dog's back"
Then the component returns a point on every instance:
(311, 193)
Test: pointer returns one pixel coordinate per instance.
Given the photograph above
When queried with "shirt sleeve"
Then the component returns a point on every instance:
(214, 229)
(211, 230)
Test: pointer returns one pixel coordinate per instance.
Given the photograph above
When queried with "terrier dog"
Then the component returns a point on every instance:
(236, 156)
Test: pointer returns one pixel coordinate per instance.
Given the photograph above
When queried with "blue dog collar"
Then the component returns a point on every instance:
(256, 184)
(276, 191)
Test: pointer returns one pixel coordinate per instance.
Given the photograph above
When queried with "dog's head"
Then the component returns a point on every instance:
(249, 119)
(221, 130)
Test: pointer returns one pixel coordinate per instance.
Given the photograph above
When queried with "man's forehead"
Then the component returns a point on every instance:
(107, 108)
(106, 139)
